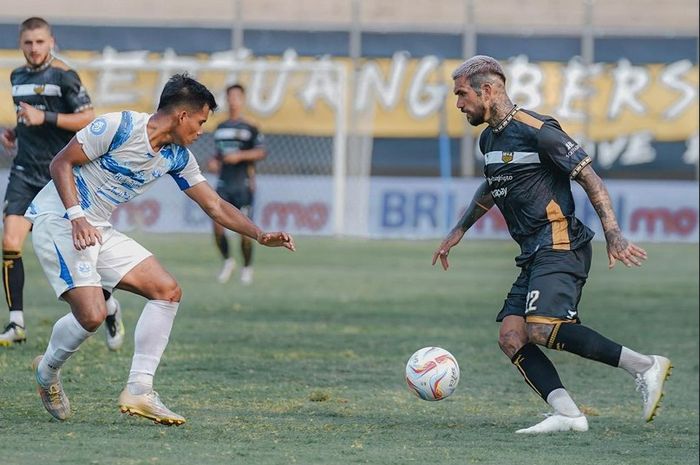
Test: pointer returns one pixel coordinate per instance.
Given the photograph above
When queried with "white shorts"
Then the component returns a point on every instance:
(102, 265)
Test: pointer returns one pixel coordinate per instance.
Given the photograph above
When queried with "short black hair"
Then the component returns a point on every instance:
(34, 22)
(183, 90)
(235, 86)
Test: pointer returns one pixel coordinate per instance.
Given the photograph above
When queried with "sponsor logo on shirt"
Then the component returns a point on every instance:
(500, 192)
(571, 148)
(499, 178)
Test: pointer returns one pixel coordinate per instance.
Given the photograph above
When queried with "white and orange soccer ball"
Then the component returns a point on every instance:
(432, 373)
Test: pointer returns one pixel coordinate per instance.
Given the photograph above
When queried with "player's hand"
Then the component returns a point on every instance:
(277, 239)
(84, 234)
(30, 115)
(621, 249)
(214, 165)
(444, 250)
(232, 158)
(8, 138)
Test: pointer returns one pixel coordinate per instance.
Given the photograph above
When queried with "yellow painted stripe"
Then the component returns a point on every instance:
(560, 227)
(6, 266)
(522, 372)
(553, 335)
(528, 119)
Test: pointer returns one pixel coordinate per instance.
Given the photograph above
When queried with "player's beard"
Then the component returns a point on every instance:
(477, 117)
(32, 60)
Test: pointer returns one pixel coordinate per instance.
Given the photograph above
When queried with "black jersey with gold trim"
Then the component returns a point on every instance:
(53, 87)
(232, 136)
(529, 164)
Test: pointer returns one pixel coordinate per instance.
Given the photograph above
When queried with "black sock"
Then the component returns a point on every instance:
(247, 251)
(583, 341)
(537, 369)
(13, 278)
(222, 245)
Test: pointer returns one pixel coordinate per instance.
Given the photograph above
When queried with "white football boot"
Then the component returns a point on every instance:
(247, 275)
(13, 334)
(148, 406)
(651, 383)
(226, 270)
(556, 423)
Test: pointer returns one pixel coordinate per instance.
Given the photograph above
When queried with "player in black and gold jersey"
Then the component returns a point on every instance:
(529, 164)
(51, 105)
(239, 145)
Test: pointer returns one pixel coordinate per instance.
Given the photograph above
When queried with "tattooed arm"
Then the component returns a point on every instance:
(619, 248)
(480, 204)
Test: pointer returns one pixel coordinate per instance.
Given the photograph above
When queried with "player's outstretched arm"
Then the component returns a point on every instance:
(619, 248)
(231, 218)
(480, 204)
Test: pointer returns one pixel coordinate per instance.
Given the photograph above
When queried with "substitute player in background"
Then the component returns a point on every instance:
(530, 161)
(51, 105)
(110, 162)
(239, 144)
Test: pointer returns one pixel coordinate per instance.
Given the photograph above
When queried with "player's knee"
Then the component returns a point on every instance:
(538, 333)
(92, 319)
(168, 290)
(511, 340)
(11, 242)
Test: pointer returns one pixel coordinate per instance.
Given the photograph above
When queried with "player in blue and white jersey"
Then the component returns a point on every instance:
(116, 158)
(529, 164)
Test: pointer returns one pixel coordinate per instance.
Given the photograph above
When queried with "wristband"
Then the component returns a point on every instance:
(75, 212)
(51, 117)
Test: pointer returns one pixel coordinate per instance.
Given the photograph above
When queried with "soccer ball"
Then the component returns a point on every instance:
(432, 373)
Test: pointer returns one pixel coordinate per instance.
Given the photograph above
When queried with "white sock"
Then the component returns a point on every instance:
(111, 305)
(561, 402)
(66, 337)
(633, 362)
(17, 317)
(150, 339)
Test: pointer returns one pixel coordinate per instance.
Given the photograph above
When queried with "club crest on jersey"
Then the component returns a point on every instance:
(98, 126)
(507, 157)
(39, 89)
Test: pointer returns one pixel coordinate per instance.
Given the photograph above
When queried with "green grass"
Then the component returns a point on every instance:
(306, 366)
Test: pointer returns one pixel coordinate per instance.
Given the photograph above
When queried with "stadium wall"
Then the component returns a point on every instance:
(411, 208)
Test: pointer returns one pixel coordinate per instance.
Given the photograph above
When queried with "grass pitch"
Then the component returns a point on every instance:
(306, 365)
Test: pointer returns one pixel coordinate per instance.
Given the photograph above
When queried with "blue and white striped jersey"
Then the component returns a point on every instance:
(123, 165)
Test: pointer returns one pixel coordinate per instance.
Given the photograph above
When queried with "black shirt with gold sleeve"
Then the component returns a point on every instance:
(53, 87)
(529, 164)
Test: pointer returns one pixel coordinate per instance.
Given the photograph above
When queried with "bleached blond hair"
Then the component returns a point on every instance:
(478, 70)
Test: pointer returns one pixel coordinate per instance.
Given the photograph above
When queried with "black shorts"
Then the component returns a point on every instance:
(241, 199)
(18, 196)
(549, 286)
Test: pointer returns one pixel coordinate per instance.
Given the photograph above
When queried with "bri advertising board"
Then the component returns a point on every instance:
(408, 208)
